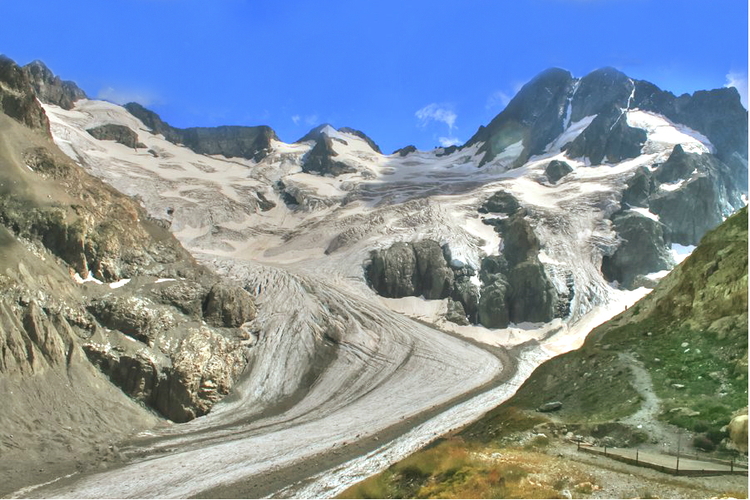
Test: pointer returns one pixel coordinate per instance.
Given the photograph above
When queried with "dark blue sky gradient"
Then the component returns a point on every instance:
(367, 65)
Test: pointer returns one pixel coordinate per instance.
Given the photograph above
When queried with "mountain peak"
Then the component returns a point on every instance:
(49, 88)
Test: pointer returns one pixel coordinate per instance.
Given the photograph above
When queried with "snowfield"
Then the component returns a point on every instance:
(335, 367)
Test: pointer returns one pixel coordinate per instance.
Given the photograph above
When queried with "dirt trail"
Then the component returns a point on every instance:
(646, 418)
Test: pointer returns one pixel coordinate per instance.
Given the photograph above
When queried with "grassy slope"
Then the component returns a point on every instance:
(703, 303)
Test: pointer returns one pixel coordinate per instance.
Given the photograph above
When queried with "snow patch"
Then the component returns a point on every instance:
(645, 212)
(681, 252)
(664, 135)
(119, 283)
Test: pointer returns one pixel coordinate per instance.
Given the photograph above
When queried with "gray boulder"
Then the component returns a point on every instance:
(228, 306)
(550, 406)
(501, 202)
(556, 170)
(434, 278)
(392, 271)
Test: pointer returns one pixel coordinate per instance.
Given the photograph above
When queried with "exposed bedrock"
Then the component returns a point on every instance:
(320, 159)
(50, 88)
(118, 133)
(514, 287)
(609, 138)
(642, 248)
(556, 170)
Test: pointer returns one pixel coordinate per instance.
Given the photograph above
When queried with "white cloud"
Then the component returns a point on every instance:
(497, 99)
(124, 96)
(312, 120)
(296, 119)
(738, 81)
(449, 141)
(437, 112)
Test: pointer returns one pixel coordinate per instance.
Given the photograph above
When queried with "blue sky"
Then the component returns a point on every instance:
(404, 72)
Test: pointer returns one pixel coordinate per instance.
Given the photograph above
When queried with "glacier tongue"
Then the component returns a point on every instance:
(333, 363)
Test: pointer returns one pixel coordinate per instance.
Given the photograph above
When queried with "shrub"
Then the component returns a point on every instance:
(703, 443)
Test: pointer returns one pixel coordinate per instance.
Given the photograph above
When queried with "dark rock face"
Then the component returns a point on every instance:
(433, 274)
(253, 143)
(642, 250)
(515, 286)
(689, 212)
(456, 313)
(501, 202)
(135, 317)
(50, 89)
(118, 133)
(600, 91)
(698, 205)
(535, 116)
(556, 170)
(405, 150)
(493, 303)
(465, 293)
(229, 306)
(718, 114)
(608, 138)
(639, 188)
(407, 269)
(320, 159)
(392, 271)
(17, 97)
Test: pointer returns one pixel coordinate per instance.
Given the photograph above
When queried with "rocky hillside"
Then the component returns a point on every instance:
(687, 340)
(101, 308)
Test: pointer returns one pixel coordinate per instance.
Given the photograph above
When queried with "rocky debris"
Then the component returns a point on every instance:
(17, 97)
(187, 296)
(608, 139)
(534, 116)
(550, 406)
(118, 133)
(556, 170)
(501, 202)
(229, 306)
(252, 143)
(320, 159)
(50, 89)
(405, 150)
(643, 248)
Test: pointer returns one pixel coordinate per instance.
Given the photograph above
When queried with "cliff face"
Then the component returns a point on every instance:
(98, 302)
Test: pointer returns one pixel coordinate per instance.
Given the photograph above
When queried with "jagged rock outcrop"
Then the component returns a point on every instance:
(643, 248)
(407, 269)
(405, 150)
(50, 89)
(228, 306)
(534, 116)
(146, 337)
(493, 309)
(501, 202)
(118, 133)
(17, 97)
(253, 143)
(697, 205)
(556, 170)
(638, 188)
(608, 139)
(320, 159)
